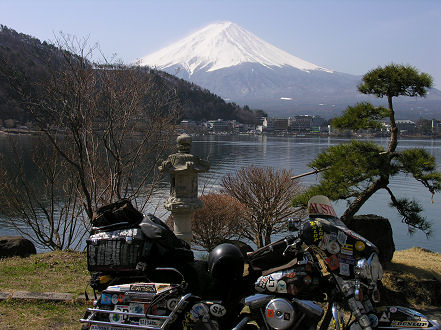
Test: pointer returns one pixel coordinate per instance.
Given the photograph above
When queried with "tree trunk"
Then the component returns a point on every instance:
(382, 182)
(347, 217)
(259, 240)
(393, 127)
(267, 236)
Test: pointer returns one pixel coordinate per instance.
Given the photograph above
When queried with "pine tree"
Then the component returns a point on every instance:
(357, 170)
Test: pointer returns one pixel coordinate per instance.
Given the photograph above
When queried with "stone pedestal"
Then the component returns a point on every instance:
(183, 168)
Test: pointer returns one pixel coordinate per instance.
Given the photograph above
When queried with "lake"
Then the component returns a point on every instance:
(230, 153)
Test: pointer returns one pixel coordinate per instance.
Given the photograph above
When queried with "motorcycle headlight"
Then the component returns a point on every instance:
(369, 269)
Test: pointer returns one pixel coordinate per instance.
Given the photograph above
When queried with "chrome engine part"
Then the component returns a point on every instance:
(279, 314)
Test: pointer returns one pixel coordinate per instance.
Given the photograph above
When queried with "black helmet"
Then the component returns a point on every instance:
(226, 262)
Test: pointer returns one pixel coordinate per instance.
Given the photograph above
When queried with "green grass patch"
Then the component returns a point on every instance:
(40, 315)
(55, 271)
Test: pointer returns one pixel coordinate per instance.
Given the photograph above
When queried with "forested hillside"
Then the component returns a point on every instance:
(24, 62)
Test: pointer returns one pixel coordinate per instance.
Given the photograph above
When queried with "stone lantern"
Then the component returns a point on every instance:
(183, 168)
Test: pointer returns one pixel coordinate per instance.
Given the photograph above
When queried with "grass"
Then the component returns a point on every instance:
(47, 272)
(40, 315)
(413, 279)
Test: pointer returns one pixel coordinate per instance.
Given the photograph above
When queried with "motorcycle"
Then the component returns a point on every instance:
(148, 278)
(289, 282)
(323, 262)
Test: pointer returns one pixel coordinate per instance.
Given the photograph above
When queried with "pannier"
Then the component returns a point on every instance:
(118, 250)
(124, 241)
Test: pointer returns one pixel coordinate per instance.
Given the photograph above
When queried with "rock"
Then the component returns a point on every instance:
(377, 230)
(43, 296)
(11, 246)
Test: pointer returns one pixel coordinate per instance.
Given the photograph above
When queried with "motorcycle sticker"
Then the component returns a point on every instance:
(360, 246)
(317, 230)
(143, 287)
(271, 284)
(315, 208)
(342, 258)
(332, 236)
(260, 284)
(136, 308)
(121, 287)
(149, 322)
(290, 273)
(199, 312)
(333, 247)
(114, 299)
(409, 324)
(171, 303)
(324, 242)
(384, 318)
(114, 288)
(307, 280)
(277, 276)
(332, 262)
(106, 299)
(118, 318)
(218, 310)
(341, 237)
(347, 249)
(281, 287)
(344, 269)
(270, 313)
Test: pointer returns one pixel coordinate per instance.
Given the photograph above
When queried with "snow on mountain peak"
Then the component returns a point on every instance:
(222, 45)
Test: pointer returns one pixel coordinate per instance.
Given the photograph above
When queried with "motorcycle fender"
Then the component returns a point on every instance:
(398, 317)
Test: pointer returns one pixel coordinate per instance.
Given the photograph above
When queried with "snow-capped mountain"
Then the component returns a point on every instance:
(240, 67)
(224, 45)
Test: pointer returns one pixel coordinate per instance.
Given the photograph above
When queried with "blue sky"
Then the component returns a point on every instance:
(350, 36)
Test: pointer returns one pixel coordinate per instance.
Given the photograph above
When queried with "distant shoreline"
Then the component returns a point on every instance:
(28, 131)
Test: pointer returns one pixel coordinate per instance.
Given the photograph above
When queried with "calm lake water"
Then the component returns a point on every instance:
(230, 153)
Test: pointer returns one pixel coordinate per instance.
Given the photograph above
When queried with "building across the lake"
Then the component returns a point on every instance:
(405, 125)
(303, 123)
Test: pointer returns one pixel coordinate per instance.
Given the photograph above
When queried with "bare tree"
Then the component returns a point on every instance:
(115, 122)
(44, 205)
(109, 124)
(267, 194)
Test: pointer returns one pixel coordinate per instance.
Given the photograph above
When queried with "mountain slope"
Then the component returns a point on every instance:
(223, 45)
(24, 56)
(239, 66)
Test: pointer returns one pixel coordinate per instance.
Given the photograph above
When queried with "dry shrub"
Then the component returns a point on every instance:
(221, 218)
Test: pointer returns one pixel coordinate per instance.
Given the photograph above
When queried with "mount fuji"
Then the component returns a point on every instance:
(241, 67)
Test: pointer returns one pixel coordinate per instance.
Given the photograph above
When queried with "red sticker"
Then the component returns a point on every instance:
(332, 262)
(270, 313)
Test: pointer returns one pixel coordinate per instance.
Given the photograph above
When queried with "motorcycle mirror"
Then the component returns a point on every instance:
(293, 224)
